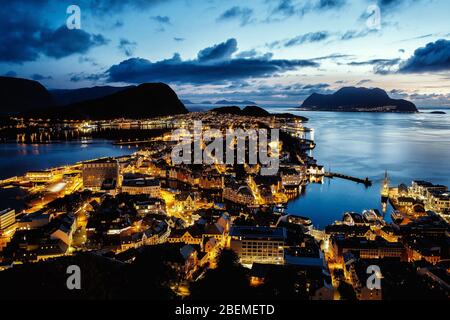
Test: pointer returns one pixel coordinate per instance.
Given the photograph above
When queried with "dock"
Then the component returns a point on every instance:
(365, 181)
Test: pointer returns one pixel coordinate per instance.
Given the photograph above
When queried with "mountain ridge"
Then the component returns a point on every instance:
(357, 99)
(19, 95)
(146, 100)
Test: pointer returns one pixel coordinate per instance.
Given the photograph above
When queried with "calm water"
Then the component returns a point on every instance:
(17, 159)
(409, 146)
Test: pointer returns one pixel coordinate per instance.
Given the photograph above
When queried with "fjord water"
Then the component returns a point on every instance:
(408, 146)
(17, 159)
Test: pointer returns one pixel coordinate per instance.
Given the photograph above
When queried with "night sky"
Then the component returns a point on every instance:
(267, 51)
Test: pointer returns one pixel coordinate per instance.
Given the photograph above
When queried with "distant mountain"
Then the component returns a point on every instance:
(353, 99)
(144, 101)
(207, 102)
(255, 111)
(245, 102)
(70, 96)
(21, 95)
(186, 101)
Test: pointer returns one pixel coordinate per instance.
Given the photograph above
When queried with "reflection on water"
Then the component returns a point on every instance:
(17, 159)
(409, 146)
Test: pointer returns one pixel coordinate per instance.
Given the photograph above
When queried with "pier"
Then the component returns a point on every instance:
(365, 181)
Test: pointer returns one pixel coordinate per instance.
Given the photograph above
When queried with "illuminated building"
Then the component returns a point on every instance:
(96, 172)
(258, 244)
(366, 249)
(151, 187)
(239, 194)
(7, 219)
(290, 177)
(40, 176)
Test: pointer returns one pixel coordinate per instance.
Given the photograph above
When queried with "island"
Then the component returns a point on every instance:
(352, 99)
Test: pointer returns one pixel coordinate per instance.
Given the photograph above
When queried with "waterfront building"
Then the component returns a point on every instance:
(7, 219)
(422, 189)
(315, 170)
(40, 176)
(97, 171)
(439, 202)
(258, 244)
(291, 177)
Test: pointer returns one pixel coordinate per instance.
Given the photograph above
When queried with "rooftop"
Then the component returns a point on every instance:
(258, 232)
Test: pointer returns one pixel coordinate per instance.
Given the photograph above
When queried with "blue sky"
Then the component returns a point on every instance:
(267, 51)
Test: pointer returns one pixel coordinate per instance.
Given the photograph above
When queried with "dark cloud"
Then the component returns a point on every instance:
(285, 8)
(355, 34)
(25, 37)
(118, 24)
(213, 65)
(111, 7)
(177, 39)
(82, 76)
(96, 7)
(364, 81)
(309, 37)
(380, 66)
(127, 47)
(221, 51)
(64, 42)
(330, 4)
(334, 56)
(289, 8)
(243, 14)
(40, 77)
(391, 4)
(90, 60)
(434, 57)
(164, 20)
(290, 94)
(253, 53)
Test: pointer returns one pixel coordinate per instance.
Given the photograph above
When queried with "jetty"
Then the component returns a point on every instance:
(367, 182)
